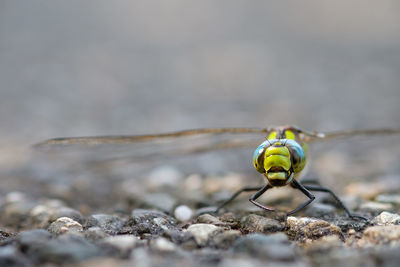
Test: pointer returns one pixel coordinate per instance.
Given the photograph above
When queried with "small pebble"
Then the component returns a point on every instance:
(46, 213)
(65, 225)
(67, 212)
(382, 234)
(257, 223)
(203, 232)
(209, 219)
(304, 229)
(183, 213)
(386, 218)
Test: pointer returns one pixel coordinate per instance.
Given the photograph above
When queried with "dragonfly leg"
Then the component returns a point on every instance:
(258, 194)
(304, 190)
(310, 181)
(235, 195)
(319, 188)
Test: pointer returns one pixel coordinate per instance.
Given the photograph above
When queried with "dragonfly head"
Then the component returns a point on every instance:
(279, 160)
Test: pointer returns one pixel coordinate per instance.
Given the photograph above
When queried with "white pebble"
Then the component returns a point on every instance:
(386, 218)
(183, 213)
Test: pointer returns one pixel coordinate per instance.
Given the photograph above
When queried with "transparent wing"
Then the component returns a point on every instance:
(352, 133)
(126, 139)
(156, 148)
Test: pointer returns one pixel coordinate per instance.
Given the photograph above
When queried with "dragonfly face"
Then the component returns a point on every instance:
(279, 159)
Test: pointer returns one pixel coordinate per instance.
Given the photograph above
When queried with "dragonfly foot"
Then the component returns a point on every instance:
(358, 217)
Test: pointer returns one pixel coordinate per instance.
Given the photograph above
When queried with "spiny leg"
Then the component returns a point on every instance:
(302, 188)
(258, 194)
(235, 195)
(319, 188)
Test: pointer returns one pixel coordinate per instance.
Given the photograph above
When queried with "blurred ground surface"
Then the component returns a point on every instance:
(98, 68)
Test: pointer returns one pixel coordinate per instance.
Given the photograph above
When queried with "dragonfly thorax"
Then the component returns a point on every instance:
(279, 160)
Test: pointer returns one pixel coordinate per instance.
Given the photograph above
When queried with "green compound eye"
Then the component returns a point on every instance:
(297, 155)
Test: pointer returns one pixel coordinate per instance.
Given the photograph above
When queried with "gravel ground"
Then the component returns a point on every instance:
(161, 225)
(134, 67)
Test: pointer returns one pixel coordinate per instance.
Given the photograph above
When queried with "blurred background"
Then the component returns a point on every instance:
(133, 67)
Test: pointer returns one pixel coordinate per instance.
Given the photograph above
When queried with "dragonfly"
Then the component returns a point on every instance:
(281, 157)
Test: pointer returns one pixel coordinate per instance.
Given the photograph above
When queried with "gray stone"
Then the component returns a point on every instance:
(10, 257)
(225, 239)
(33, 242)
(67, 249)
(275, 246)
(27, 238)
(322, 253)
(95, 233)
(40, 248)
(108, 223)
(151, 222)
(209, 219)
